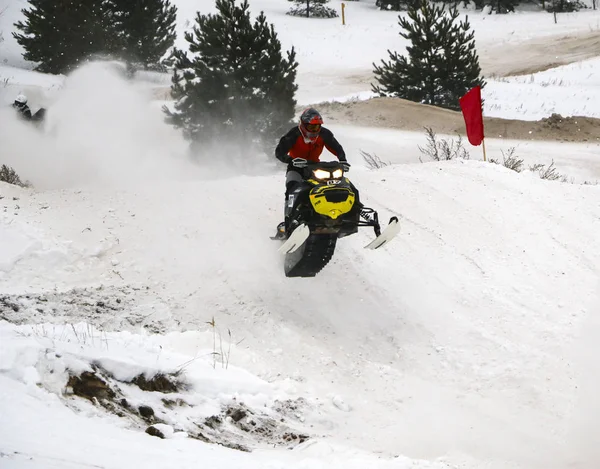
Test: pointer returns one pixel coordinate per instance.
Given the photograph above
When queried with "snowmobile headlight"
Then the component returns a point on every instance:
(338, 173)
(322, 174)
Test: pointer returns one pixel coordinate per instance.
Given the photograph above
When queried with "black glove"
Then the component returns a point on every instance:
(345, 166)
(299, 163)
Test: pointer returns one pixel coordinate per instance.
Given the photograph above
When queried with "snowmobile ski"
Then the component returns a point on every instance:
(388, 234)
(296, 239)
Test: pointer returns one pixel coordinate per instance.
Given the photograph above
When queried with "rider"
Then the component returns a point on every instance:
(21, 106)
(304, 143)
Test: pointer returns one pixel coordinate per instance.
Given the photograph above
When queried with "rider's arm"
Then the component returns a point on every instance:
(286, 143)
(332, 144)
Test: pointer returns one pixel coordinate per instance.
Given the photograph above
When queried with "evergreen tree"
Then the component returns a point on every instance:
(442, 63)
(146, 28)
(61, 34)
(396, 5)
(237, 86)
(504, 6)
(564, 6)
(312, 9)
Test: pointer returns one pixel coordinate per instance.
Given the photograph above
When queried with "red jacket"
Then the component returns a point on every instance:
(293, 144)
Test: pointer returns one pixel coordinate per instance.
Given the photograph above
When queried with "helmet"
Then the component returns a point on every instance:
(310, 124)
(21, 99)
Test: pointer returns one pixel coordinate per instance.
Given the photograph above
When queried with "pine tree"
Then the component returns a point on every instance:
(565, 6)
(505, 6)
(61, 34)
(312, 9)
(237, 86)
(396, 5)
(146, 27)
(442, 63)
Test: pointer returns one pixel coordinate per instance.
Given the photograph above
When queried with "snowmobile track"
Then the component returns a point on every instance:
(311, 257)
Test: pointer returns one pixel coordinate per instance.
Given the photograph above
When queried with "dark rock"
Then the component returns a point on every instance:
(170, 403)
(293, 437)
(151, 430)
(90, 386)
(146, 411)
(158, 383)
(213, 422)
(236, 414)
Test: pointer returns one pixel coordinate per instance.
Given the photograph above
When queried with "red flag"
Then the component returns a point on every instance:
(470, 104)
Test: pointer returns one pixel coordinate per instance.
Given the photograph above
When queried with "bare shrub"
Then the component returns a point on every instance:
(547, 172)
(510, 160)
(443, 150)
(372, 160)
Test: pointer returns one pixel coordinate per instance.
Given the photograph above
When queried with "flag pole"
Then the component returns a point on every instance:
(483, 143)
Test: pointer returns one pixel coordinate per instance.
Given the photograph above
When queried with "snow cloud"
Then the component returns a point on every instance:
(99, 129)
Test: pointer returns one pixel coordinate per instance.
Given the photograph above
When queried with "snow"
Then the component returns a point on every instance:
(483, 305)
(468, 342)
(570, 90)
(577, 161)
(35, 358)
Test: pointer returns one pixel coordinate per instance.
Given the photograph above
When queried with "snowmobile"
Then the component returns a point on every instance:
(320, 210)
(39, 115)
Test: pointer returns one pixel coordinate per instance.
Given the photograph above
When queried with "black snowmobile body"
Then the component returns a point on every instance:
(326, 206)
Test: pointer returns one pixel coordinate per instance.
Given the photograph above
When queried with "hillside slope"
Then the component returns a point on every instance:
(461, 331)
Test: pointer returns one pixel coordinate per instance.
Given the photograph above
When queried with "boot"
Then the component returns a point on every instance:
(281, 231)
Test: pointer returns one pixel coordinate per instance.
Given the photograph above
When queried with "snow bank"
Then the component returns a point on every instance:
(34, 366)
(570, 90)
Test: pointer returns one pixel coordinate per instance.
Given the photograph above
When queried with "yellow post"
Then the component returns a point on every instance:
(343, 14)
(483, 143)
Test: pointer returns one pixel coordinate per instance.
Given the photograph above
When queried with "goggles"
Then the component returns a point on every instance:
(313, 128)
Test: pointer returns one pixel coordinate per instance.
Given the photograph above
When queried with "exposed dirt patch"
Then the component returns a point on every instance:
(90, 386)
(500, 61)
(401, 114)
(523, 58)
(496, 61)
(106, 307)
(158, 383)
(236, 426)
(538, 54)
(253, 424)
